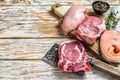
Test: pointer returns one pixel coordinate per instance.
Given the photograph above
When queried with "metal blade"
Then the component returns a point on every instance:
(51, 57)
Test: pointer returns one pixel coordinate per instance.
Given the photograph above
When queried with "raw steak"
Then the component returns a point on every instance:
(73, 18)
(90, 29)
(72, 57)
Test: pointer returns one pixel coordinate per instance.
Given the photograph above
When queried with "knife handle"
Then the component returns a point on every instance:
(59, 10)
(104, 66)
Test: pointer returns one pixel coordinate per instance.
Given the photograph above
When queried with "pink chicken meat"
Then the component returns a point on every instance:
(73, 18)
(72, 57)
(90, 29)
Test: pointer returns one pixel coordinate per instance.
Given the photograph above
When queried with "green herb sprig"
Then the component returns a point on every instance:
(111, 20)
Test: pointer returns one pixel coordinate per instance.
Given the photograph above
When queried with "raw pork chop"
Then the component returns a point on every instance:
(72, 57)
(73, 18)
(90, 29)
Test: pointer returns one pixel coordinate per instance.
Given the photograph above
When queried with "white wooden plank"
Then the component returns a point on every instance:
(51, 2)
(26, 48)
(29, 13)
(34, 26)
(38, 70)
(21, 29)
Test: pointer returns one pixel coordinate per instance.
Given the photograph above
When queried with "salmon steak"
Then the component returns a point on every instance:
(110, 46)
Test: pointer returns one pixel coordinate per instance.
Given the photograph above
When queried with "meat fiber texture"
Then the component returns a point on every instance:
(90, 29)
(72, 57)
(73, 18)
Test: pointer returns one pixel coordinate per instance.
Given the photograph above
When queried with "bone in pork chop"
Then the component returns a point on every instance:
(90, 29)
(72, 57)
(73, 18)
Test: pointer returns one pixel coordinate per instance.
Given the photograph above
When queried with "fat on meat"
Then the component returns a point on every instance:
(90, 29)
(73, 18)
(72, 56)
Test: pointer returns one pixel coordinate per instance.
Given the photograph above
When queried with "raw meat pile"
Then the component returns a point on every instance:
(73, 57)
(88, 29)
(72, 54)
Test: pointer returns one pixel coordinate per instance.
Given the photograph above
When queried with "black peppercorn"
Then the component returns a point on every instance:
(100, 7)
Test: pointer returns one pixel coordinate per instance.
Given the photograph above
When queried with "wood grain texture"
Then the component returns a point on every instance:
(38, 70)
(30, 13)
(26, 48)
(28, 29)
(28, 21)
(21, 29)
(26, 13)
(51, 2)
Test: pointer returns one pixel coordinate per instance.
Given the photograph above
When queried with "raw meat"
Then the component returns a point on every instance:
(90, 29)
(72, 57)
(73, 18)
(110, 46)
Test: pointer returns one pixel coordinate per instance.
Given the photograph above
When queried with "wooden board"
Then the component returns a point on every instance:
(51, 2)
(26, 48)
(38, 70)
(28, 29)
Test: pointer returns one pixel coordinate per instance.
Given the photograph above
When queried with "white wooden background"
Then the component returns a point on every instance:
(28, 29)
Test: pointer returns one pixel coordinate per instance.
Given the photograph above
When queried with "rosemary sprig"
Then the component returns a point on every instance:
(111, 20)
